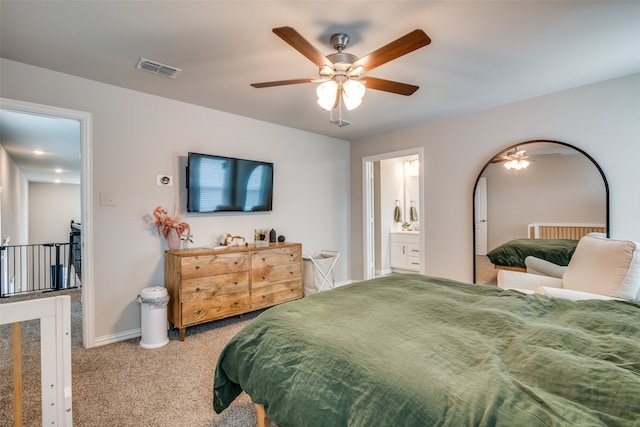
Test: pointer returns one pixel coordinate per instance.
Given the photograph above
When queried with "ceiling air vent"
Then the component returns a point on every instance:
(158, 68)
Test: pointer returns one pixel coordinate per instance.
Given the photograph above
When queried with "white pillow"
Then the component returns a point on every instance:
(606, 267)
(568, 294)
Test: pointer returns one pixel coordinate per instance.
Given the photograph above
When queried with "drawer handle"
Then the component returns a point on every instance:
(198, 311)
(236, 303)
(197, 267)
(415, 250)
(264, 278)
(198, 289)
(235, 283)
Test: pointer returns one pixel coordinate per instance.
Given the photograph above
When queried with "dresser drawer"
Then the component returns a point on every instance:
(277, 256)
(267, 296)
(214, 286)
(273, 274)
(205, 310)
(208, 265)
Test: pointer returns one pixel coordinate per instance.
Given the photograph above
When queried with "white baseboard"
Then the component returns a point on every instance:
(111, 339)
(338, 284)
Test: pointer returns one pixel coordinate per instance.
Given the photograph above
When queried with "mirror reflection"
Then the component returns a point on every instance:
(412, 190)
(535, 198)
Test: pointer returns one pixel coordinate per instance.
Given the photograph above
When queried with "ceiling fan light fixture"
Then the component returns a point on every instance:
(355, 71)
(326, 71)
(351, 103)
(327, 93)
(517, 164)
(353, 91)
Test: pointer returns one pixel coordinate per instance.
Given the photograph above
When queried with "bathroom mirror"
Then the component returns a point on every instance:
(412, 190)
(535, 182)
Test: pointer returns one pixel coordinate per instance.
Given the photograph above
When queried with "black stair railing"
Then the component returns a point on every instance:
(36, 268)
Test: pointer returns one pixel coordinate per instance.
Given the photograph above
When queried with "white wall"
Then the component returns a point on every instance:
(391, 189)
(138, 136)
(601, 119)
(15, 207)
(51, 209)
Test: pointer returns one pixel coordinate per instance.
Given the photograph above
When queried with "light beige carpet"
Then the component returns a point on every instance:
(123, 384)
(486, 272)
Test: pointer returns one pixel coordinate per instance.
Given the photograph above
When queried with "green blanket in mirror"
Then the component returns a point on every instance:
(513, 252)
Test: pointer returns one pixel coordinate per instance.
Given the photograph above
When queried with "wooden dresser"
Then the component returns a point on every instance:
(206, 284)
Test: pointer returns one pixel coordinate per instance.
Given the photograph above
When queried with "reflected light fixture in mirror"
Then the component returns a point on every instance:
(516, 164)
(514, 160)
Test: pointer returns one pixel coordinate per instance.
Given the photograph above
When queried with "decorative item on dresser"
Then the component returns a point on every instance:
(173, 228)
(206, 284)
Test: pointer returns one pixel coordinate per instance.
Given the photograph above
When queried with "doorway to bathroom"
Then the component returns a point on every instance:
(393, 185)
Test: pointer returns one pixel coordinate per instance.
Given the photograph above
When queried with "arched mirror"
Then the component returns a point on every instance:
(536, 198)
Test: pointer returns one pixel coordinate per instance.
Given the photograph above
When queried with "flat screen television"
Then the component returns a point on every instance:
(227, 184)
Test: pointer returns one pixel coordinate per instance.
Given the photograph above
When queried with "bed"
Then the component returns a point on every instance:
(414, 350)
(553, 242)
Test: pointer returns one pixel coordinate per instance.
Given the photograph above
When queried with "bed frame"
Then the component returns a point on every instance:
(263, 421)
(548, 230)
(563, 231)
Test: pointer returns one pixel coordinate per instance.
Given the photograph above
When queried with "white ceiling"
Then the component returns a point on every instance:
(483, 53)
(56, 139)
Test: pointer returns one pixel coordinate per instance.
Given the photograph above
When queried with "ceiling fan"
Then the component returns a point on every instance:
(341, 73)
(513, 159)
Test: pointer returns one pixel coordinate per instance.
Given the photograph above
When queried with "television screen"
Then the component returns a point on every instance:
(226, 184)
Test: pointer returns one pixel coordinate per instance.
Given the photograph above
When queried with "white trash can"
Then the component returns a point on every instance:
(154, 324)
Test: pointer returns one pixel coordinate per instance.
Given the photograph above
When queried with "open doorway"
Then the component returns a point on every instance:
(374, 208)
(84, 120)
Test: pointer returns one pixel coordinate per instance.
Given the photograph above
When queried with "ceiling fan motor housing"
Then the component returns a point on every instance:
(341, 61)
(339, 41)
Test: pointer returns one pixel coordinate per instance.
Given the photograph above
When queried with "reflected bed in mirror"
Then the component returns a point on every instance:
(551, 184)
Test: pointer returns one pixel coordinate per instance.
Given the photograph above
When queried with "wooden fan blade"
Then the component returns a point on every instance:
(300, 44)
(405, 44)
(500, 159)
(282, 83)
(389, 86)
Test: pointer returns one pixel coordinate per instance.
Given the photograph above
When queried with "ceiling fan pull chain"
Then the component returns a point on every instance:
(340, 105)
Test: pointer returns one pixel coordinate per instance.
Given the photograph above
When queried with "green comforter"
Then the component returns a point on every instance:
(513, 252)
(411, 350)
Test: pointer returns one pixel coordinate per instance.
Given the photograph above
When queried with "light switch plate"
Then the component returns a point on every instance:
(164, 180)
(108, 199)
